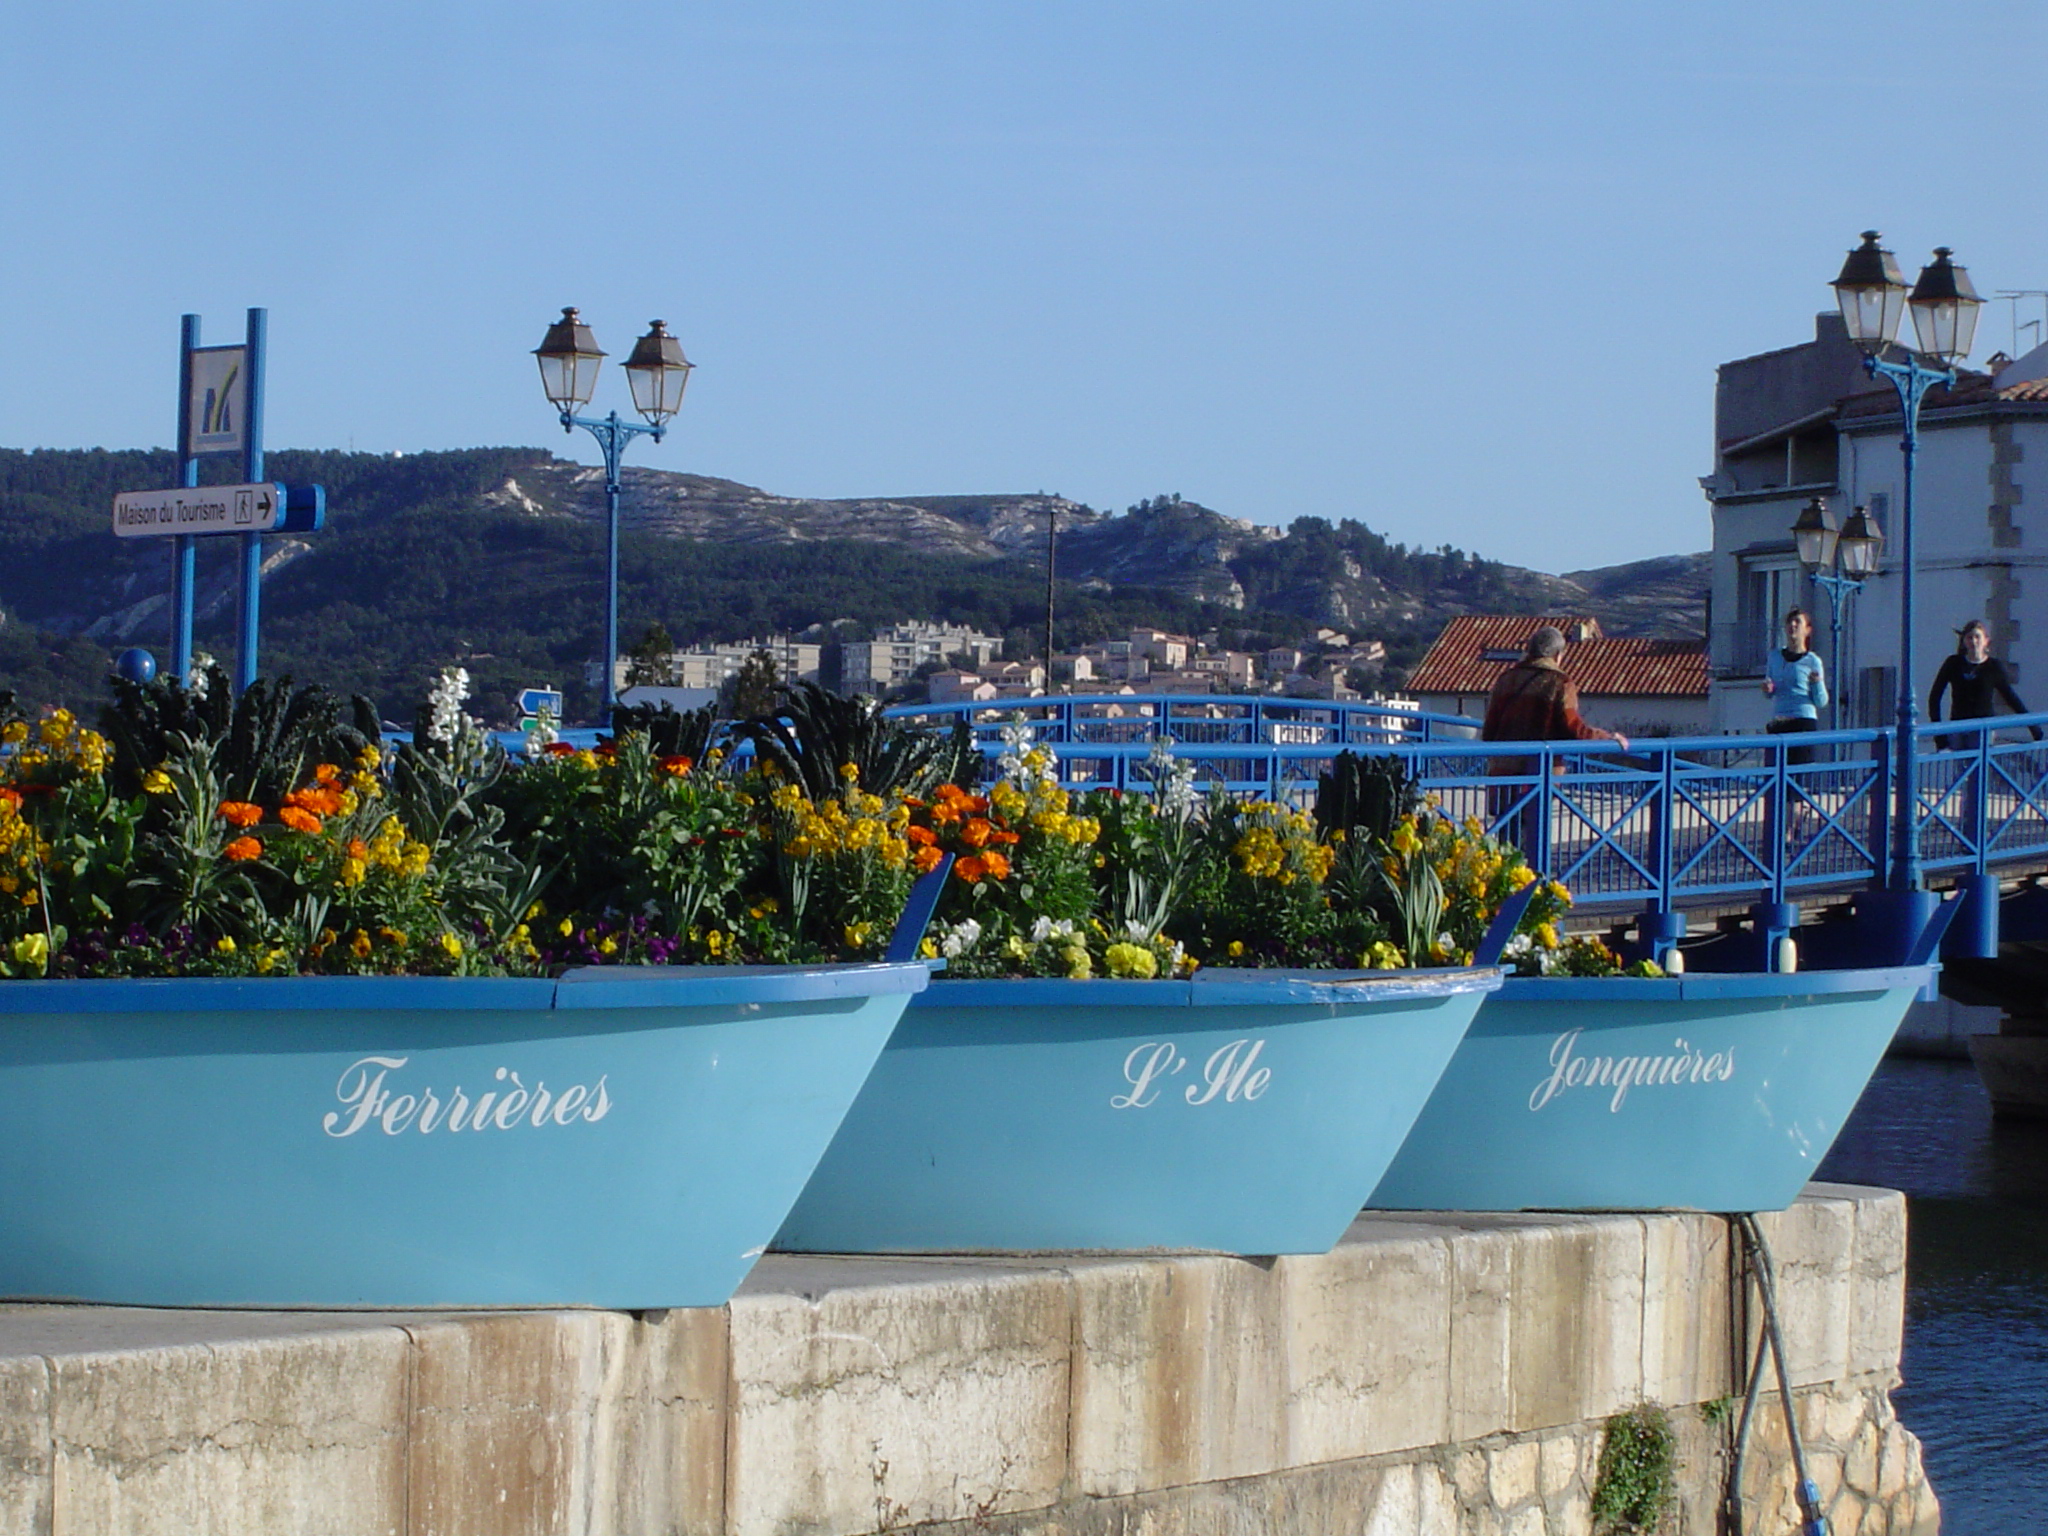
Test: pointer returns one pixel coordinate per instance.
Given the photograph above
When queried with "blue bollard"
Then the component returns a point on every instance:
(136, 665)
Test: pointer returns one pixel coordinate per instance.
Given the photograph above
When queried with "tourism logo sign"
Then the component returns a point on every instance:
(218, 415)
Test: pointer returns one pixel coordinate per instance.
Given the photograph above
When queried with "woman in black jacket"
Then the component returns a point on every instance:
(1978, 679)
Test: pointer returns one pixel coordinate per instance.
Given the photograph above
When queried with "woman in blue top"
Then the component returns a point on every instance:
(1797, 686)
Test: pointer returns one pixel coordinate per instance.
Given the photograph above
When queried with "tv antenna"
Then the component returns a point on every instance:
(2012, 296)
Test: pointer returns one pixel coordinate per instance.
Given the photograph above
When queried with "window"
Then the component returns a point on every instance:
(1769, 587)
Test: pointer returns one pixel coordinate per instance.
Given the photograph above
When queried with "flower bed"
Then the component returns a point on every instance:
(273, 835)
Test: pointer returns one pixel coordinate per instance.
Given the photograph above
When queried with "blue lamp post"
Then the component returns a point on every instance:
(658, 371)
(1872, 293)
(1837, 560)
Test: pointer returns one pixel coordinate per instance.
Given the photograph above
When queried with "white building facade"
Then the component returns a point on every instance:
(1806, 421)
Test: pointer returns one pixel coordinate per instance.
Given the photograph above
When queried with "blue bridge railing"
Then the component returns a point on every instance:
(1672, 823)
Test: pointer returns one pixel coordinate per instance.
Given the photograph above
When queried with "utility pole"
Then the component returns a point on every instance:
(1052, 536)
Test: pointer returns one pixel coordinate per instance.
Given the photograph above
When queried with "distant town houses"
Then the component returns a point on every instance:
(708, 668)
(1805, 421)
(1629, 683)
(955, 664)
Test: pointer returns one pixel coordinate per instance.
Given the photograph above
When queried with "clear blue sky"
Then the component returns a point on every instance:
(1463, 271)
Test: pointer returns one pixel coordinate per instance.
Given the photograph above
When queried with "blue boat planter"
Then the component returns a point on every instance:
(1703, 1092)
(622, 1137)
(1241, 1111)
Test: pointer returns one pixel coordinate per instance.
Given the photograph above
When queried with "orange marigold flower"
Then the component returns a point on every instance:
(559, 749)
(10, 799)
(358, 849)
(299, 819)
(972, 869)
(924, 837)
(327, 773)
(241, 813)
(317, 798)
(678, 765)
(998, 865)
(1004, 838)
(243, 849)
(925, 860)
(975, 833)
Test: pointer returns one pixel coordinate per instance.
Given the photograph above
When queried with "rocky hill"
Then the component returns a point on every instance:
(492, 556)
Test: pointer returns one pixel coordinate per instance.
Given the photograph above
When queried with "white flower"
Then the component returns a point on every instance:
(1137, 932)
(195, 679)
(1045, 928)
(960, 938)
(444, 704)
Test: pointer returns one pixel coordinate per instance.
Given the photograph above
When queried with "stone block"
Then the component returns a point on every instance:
(1576, 1321)
(658, 1450)
(25, 1446)
(1482, 1282)
(263, 1436)
(1813, 1246)
(503, 1422)
(1877, 1282)
(867, 1406)
(1511, 1473)
(1176, 1374)
(1366, 1344)
(1689, 1353)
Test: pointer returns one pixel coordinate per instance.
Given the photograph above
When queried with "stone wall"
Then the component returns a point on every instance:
(1447, 1374)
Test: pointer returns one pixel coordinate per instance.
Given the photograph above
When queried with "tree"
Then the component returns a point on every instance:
(750, 692)
(651, 662)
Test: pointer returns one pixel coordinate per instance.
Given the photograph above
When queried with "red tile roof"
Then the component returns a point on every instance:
(1474, 649)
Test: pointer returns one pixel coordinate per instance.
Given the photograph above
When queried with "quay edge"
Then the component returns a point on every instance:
(1432, 1374)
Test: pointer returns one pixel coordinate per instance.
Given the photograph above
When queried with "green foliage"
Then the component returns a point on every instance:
(1365, 796)
(1637, 1479)
(670, 732)
(819, 733)
(259, 744)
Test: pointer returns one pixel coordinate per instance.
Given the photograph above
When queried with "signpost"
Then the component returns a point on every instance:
(533, 702)
(220, 411)
(211, 509)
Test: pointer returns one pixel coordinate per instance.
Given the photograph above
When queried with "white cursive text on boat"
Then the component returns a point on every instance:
(1230, 1074)
(1621, 1073)
(365, 1102)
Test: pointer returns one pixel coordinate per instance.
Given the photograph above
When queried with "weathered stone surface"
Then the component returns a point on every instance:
(26, 1434)
(503, 1409)
(1877, 1278)
(658, 1444)
(239, 1435)
(1184, 1396)
(1366, 1344)
(1576, 1320)
(865, 1406)
(1813, 1248)
(1177, 1374)
(1688, 1351)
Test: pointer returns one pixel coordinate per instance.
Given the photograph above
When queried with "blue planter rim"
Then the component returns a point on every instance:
(1713, 985)
(1215, 987)
(598, 986)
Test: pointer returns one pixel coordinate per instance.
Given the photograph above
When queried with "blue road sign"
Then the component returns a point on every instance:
(533, 700)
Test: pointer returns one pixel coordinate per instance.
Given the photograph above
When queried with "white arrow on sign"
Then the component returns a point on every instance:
(199, 509)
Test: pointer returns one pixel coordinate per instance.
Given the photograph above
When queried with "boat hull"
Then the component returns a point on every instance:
(1245, 1112)
(1714, 1092)
(618, 1138)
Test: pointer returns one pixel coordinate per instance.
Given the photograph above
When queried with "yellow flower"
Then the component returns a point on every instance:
(610, 946)
(849, 773)
(451, 946)
(224, 945)
(565, 927)
(1546, 935)
(33, 951)
(157, 782)
(353, 871)
(1236, 948)
(1132, 961)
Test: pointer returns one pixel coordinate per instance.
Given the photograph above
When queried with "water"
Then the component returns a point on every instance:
(1976, 1358)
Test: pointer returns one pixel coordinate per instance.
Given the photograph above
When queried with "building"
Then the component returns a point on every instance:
(892, 658)
(1632, 684)
(712, 666)
(1806, 421)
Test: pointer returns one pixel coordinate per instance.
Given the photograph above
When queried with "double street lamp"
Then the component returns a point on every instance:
(1872, 294)
(1837, 560)
(657, 371)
